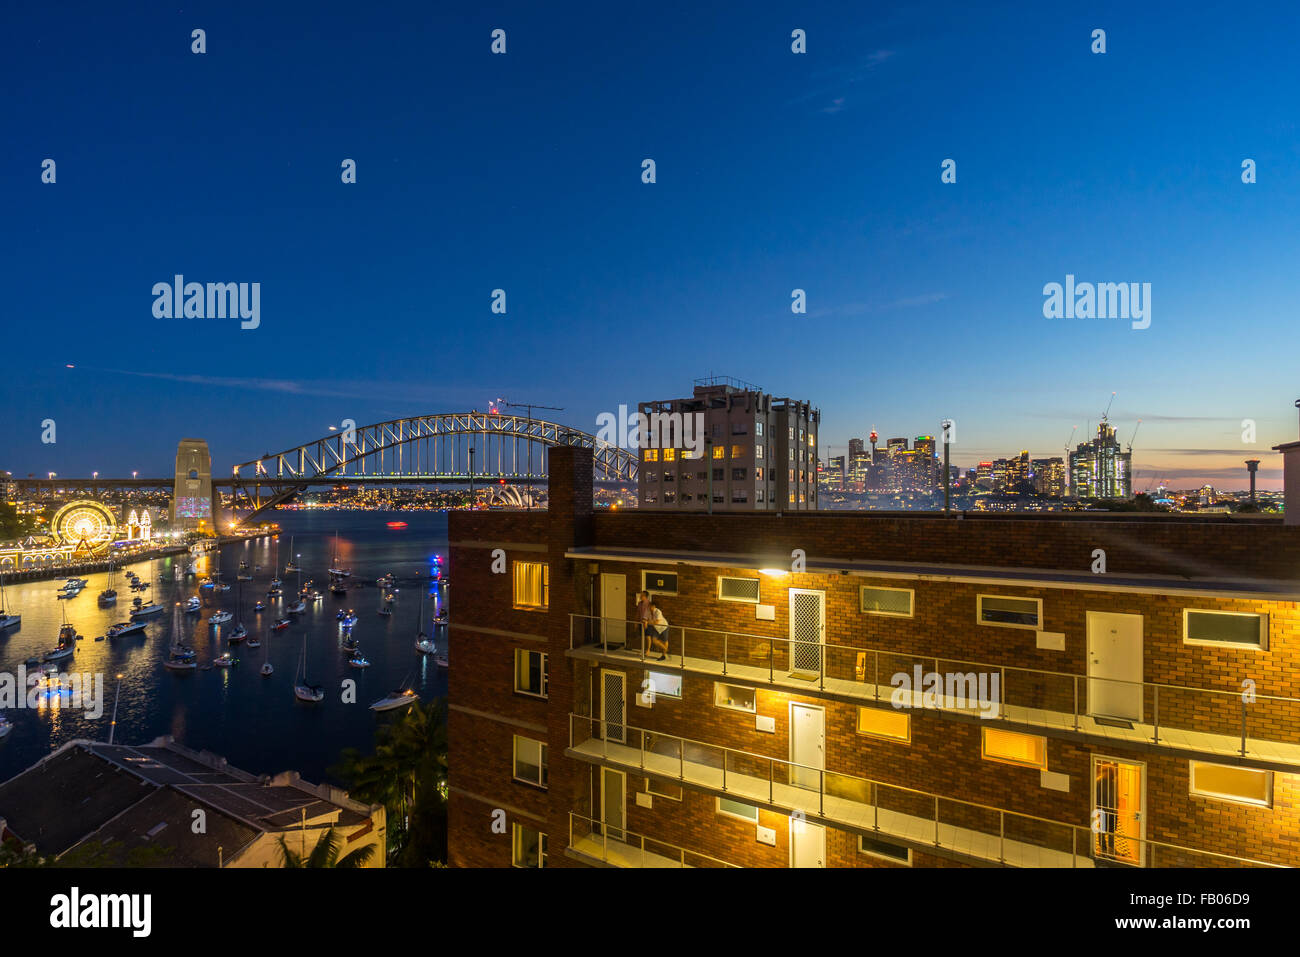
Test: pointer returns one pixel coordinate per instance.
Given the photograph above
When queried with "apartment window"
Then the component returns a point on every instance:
(1240, 629)
(529, 847)
(651, 455)
(879, 847)
(758, 452)
(758, 475)
(738, 589)
(701, 475)
(662, 684)
(670, 497)
(719, 475)
(718, 498)
(885, 723)
(532, 580)
(670, 476)
(792, 433)
(893, 602)
(1009, 612)
(758, 428)
(659, 583)
(1012, 747)
(746, 812)
(759, 496)
(1226, 783)
(670, 455)
(663, 789)
(735, 697)
(792, 498)
(738, 475)
(737, 451)
(651, 498)
(652, 476)
(719, 451)
(739, 428)
(530, 672)
(792, 475)
(740, 495)
(530, 761)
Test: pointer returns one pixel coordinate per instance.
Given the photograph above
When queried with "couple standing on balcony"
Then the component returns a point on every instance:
(654, 626)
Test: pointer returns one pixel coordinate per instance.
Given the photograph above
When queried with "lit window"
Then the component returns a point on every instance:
(737, 451)
(719, 451)
(531, 583)
(1012, 747)
(1246, 630)
(1226, 783)
(758, 452)
(885, 723)
(652, 455)
(746, 812)
(661, 684)
(670, 455)
(735, 697)
(529, 847)
(530, 672)
(530, 761)
(896, 602)
(758, 428)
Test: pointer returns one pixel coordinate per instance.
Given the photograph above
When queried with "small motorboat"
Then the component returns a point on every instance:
(192, 606)
(220, 618)
(254, 641)
(386, 610)
(124, 628)
(351, 644)
(267, 669)
(277, 584)
(238, 635)
(339, 588)
(259, 606)
(226, 660)
(281, 624)
(401, 698)
(145, 611)
(207, 584)
(297, 608)
(440, 659)
(5, 726)
(424, 644)
(357, 661)
(440, 619)
(273, 592)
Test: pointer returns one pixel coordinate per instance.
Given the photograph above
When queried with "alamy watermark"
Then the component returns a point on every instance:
(654, 430)
(84, 691)
(213, 300)
(951, 691)
(1103, 300)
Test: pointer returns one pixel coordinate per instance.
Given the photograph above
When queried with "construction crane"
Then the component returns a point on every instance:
(1135, 435)
(1106, 414)
(502, 403)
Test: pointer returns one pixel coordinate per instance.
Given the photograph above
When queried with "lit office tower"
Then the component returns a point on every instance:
(835, 473)
(1018, 471)
(929, 474)
(761, 451)
(1049, 477)
(1100, 468)
(855, 448)
(984, 476)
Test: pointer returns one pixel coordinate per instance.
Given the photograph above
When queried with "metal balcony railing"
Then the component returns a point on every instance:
(919, 817)
(623, 848)
(1227, 723)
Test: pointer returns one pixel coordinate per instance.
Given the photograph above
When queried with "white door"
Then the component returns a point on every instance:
(1115, 665)
(613, 607)
(807, 745)
(807, 630)
(613, 803)
(613, 697)
(807, 844)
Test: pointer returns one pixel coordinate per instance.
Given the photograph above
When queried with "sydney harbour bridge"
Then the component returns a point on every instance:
(449, 448)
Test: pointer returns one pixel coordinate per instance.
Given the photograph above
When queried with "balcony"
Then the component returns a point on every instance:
(594, 842)
(1227, 726)
(920, 818)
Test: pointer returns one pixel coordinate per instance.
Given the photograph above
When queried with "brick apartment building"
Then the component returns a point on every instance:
(1143, 715)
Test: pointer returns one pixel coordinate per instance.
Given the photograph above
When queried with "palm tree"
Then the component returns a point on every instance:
(408, 775)
(326, 854)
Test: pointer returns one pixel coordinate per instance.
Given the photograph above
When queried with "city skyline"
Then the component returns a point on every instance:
(776, 172)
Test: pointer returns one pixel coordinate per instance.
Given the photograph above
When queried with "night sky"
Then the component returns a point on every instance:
(775, 171)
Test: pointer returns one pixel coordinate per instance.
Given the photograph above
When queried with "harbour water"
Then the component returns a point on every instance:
(253, 721)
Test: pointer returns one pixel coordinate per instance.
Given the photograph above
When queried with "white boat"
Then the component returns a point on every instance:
(238, 634)
(267, 668)
(423, 643)
(440, 659)
(7, 621)
(192, 606)
(179, 658)
(291, 565)
(67, 645)
(401, 698)
(124, 628)
(220, 618)
(253, 641)
(297, 608)
(145, 611)
(226, 660)
(301, 689)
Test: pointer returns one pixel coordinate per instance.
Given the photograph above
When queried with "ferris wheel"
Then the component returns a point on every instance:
(86, 524)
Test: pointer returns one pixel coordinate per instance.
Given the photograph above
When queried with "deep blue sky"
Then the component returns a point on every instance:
(775, 171)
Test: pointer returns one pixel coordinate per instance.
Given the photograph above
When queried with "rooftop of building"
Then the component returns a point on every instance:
(124, 798)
